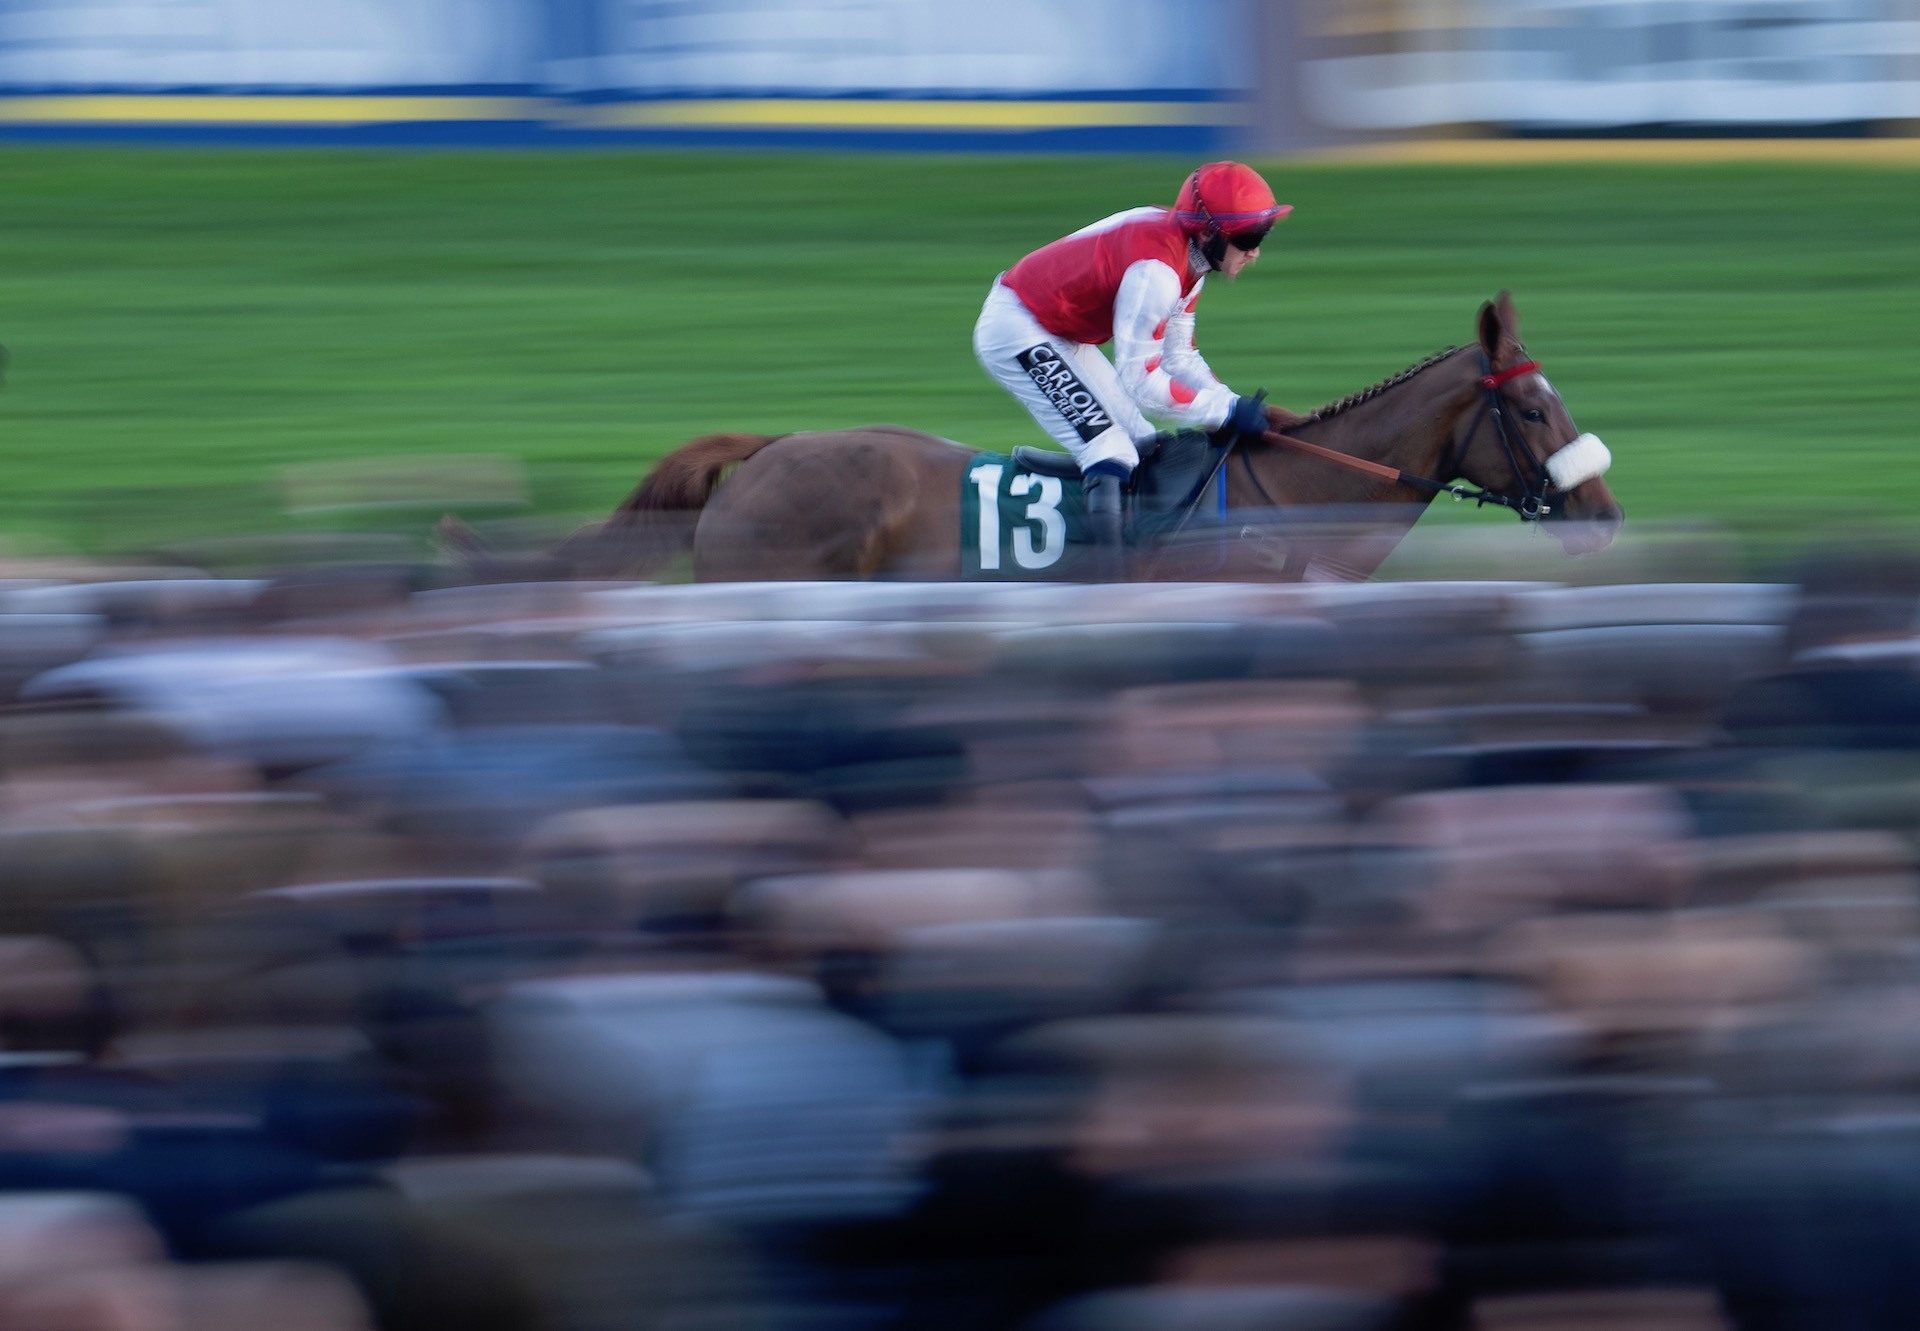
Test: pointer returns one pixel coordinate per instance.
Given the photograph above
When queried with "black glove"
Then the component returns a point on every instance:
(1248, 418)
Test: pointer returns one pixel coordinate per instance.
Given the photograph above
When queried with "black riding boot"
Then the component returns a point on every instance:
(1106, 524)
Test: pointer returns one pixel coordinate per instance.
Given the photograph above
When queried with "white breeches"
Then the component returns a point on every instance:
(1070, 388)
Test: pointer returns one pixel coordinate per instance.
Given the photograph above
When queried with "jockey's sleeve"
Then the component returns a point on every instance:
(1154, 353)
(1183, 358)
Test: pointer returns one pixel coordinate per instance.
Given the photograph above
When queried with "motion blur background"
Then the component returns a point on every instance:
(666, 219)
(1510, 943)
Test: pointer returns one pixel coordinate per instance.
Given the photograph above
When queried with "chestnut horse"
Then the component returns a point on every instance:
(883, 501)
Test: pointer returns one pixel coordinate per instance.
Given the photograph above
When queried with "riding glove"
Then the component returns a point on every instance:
(1248, 418)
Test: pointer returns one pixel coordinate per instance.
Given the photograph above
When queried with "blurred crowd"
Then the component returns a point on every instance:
(819, 957)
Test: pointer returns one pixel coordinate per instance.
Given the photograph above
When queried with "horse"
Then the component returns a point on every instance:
(881, 501)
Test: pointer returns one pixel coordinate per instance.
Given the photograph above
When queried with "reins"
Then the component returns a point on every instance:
(1531, 506)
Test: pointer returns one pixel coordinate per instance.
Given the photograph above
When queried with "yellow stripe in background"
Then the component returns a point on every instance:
(889, 113)
(257, 110)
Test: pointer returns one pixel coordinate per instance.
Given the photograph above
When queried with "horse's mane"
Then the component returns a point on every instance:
(1368, 394)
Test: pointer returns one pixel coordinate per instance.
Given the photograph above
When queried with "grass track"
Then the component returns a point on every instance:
(189, 321)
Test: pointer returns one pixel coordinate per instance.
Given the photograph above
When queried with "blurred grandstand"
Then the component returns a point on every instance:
(1260, 76)
(602, 956)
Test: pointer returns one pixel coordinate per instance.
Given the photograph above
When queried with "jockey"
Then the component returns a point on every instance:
(1134, 279)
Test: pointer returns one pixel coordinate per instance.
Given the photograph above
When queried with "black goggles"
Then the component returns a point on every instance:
(1248, 240)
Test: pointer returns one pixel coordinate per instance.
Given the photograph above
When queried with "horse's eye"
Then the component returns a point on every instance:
(1534, 414)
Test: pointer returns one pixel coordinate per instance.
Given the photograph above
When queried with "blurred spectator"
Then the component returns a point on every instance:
(1467, 955)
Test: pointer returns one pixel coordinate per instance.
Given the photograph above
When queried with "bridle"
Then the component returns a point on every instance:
(1536, 485)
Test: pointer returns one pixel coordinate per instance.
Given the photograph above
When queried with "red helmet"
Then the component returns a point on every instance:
(1229, 199)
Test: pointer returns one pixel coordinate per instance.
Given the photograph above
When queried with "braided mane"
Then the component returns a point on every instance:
(1368, 394)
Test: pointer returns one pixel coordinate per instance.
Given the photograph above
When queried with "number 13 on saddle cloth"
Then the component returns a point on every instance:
(1016, 523)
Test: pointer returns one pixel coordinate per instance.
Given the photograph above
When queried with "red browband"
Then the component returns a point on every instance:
(1493, 381)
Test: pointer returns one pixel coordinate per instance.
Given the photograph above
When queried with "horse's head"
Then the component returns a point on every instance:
(1521, 443)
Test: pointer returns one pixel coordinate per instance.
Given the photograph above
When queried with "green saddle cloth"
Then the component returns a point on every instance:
(1018, 524)
(1021, 524)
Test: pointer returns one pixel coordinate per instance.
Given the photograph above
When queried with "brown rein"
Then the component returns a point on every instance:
(1489, 381)
(1379, 469)
(1531, 508)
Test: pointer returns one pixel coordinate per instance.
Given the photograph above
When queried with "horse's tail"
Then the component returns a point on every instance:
(685, 479)
(655, 523)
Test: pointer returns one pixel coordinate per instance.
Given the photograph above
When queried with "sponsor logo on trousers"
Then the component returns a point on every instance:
(1063, 388)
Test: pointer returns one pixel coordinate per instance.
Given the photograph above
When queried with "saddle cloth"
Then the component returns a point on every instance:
(1023, 515)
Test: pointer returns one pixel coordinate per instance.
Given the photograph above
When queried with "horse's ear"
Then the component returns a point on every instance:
(1490, 330)
(1499, 321)
(1509, 317)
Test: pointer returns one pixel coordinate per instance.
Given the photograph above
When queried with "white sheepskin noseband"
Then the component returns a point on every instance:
(1580, 461)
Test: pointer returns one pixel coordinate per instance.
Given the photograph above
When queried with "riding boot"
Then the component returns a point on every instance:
(1107, 560)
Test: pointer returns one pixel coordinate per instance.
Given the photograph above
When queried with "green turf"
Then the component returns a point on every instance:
(189, 322)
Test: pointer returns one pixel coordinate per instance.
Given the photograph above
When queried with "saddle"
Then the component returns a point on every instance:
(1165, 485)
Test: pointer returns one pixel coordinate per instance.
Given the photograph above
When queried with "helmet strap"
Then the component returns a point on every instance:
(1214, 248)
